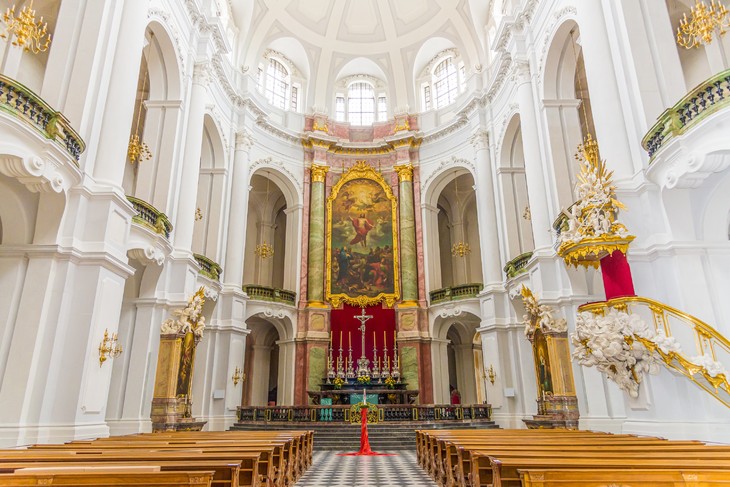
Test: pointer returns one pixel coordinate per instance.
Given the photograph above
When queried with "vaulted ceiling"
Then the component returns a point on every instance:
(330, 39)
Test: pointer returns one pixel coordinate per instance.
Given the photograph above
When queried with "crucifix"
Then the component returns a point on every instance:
(362, 363)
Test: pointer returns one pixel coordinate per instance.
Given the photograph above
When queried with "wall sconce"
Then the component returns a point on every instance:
(238, 376)
(109, 347)
(491, 374)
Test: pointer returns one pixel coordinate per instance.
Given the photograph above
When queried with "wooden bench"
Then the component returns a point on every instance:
(635, 477)
(503, 471)
(117, 477)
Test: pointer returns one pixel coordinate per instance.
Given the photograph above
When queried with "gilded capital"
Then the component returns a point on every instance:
(319, 173)
(405, 172)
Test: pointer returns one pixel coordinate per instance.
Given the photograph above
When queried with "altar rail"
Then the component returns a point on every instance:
(341, 413)
(707, 98)
(463, 291)
(20, 101)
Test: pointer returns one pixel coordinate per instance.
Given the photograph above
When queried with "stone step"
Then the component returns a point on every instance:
(383, 436)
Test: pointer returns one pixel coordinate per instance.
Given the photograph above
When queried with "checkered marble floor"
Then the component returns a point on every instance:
(331, 470)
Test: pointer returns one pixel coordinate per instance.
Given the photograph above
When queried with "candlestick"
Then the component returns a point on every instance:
(340, 338)
(385, 339)
(349, 339)
(375, 342)
(330, 339)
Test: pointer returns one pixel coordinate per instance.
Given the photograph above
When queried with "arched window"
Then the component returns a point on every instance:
(361, 103)
(277, 84)
(445, 83)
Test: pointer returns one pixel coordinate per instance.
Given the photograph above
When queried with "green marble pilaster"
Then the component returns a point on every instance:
(408, 255)
(317, 367)
(315, 262)
(409, 366)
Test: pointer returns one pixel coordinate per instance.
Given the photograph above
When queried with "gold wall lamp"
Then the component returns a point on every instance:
(109, 347)
(491, 374)
(238, 376)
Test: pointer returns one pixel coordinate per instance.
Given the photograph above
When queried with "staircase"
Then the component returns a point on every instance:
(383, 437)
(703, 350)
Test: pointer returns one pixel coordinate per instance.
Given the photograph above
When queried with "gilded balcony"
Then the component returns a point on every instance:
(150, 217)
(455, 293)
(707, 98)
(208, 268)
(265, 293)
(22, 103)
(518, 265)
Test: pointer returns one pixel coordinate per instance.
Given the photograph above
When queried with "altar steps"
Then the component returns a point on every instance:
(383, 437)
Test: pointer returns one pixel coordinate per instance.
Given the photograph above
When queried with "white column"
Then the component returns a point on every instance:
(534, 170)
(293, 247)
(431, 247)
(185, 217)
(487, 211)
(238, 217)
(285, 381)
(608, 114)
(109, 162)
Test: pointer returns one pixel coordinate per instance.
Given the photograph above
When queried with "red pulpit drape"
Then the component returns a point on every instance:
(617, 281)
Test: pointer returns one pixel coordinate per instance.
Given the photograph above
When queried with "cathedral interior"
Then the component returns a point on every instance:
(275, 215)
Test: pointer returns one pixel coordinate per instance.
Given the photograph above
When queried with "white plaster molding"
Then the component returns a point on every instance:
(275, 312)
(558, 18)
(450, 311)
(147, 255)
(163, 18)
(446, 165)
(279, 166)
(244, 140)
(35, 173)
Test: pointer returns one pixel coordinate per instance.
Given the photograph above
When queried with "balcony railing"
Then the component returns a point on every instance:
(150, 217)
(454, 293)
(21, 102)
(264, 293)
(518, 265)
(208, 268)
(695, 338)
(704, 100)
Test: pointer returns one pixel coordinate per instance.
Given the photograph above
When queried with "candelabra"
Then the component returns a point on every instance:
(340, 368)
(350, 370)
(238, 376)
(396, 363)
(330, 367)
(376, 365)
(704, 22)
(385, 371)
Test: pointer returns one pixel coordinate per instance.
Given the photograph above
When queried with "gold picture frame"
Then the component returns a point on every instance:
(361, 170)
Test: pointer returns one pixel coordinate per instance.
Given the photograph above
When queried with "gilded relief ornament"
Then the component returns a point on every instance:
(187, 319)
(593, 231)
(540, 316)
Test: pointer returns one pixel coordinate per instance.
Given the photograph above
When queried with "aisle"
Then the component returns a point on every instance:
(331, 470)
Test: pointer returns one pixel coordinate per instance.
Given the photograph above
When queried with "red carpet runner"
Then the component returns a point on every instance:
(365, 450)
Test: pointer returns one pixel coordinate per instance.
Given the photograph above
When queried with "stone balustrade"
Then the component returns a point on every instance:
(150, 217)
(23, 103)
(265, 293)
(208, 268)
(707, 98)
(453, 293)
(518, 265)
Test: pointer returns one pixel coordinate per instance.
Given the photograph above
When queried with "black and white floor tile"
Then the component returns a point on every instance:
(330, 470)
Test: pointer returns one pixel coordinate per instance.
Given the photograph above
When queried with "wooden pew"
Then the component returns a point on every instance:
(502, 471)
(247, 462)
(225, 474)
(105, 477)
(636, 478)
